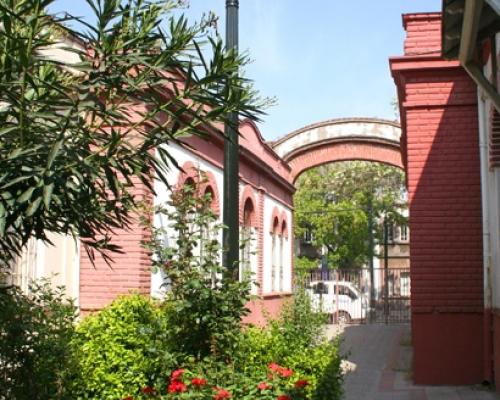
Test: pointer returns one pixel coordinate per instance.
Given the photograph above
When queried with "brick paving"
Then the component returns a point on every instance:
(378, 364)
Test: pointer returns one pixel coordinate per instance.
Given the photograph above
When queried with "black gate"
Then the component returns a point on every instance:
(348, 295)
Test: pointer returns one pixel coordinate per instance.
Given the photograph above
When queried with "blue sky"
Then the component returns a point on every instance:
(321, 59)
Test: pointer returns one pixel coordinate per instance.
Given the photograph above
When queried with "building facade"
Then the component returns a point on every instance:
(265, 214)
(448, 122)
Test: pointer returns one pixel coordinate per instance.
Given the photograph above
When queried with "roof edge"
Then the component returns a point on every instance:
(334, 122)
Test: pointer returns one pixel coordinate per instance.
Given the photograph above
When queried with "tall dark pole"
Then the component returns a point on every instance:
(230, 212)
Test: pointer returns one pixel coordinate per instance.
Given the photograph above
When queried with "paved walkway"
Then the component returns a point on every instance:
(378, 364)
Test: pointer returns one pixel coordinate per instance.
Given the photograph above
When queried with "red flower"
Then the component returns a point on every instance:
(301, 383)
(274, 367)
(177, 374)
(176, 387)
(147, 390)
(128, 398)
(198, 382)
(221, 394)
(263, 386)
(285, 372)
(284, 397)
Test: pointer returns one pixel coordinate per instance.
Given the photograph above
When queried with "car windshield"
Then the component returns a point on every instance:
(345, 291)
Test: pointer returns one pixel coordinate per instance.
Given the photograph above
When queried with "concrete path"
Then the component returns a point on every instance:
(379, 366)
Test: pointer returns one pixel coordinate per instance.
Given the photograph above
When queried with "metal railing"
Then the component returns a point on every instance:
(346, 294)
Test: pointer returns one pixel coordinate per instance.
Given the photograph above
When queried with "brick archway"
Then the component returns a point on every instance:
(368, 139)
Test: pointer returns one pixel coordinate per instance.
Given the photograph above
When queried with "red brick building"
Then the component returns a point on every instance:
(454, 223)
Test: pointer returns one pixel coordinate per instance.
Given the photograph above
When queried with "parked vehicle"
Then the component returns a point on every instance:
(341, 300)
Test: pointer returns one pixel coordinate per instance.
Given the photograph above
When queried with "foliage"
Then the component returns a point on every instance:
(333, 202)
(303, 267)
(220, 381)
(123, 346)
(77, 133)
(296, 340)
(35, 332)
(204, 382)
(207, 304)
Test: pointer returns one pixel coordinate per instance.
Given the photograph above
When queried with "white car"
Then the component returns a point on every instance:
(341, 300)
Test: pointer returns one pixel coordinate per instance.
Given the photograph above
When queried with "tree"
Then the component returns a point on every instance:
(75, 136)
(333, 202)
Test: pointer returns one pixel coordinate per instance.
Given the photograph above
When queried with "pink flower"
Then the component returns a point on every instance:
(176, 387)
(301, 383)
(263, 386)
(285, 372)
(198, 382)
(273, 367)
(221, 394)
(177, 374)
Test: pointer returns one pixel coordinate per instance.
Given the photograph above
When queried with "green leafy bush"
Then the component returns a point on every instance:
(123, 346)
(207, 305)
(295, 339)
(35, 333)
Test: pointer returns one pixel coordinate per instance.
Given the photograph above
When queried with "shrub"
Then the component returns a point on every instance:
(207, 304)
(35, 332)
(123, 346)
(295, 339)
(216, 380)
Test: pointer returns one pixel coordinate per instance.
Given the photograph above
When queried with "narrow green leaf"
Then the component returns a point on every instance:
(47, 194)
(26, 195)
(33, 207)
(53, 152)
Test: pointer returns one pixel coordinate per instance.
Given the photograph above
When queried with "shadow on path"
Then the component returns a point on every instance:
(378, 367)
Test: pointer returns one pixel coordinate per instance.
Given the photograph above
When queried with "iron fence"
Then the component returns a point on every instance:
(348, 296)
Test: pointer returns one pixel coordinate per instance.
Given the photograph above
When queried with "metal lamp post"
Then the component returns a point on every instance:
(230, 212)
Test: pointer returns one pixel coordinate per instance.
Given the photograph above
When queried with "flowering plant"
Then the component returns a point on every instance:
(279, 384)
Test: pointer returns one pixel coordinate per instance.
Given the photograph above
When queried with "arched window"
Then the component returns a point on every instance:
(283, 237)
(206, 229)
(246, 237)
(189, 184)
(275, 254)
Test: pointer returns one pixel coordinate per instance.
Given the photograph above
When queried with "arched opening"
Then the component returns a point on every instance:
(283, 239)
(353, 216)
(275, 252)
(368, 139)
(246, 237)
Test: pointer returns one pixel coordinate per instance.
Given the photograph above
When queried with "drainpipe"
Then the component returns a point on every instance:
(485, 199)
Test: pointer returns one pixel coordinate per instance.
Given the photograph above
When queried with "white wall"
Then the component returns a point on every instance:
(182, 155)
(269, 205)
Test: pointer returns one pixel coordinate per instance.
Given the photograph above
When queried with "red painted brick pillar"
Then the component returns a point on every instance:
(438, 103)
(131, 271)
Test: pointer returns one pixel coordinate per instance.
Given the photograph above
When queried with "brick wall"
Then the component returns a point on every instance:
(439, 120)
(423, 33)
(101, 283)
